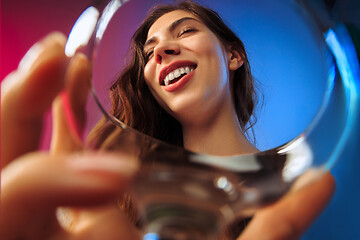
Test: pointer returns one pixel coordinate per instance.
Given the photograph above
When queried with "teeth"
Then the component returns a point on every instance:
(167, 81)
(177, 73)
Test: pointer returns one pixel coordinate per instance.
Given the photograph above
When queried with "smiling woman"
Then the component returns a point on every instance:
(202, 99)
(214, 100)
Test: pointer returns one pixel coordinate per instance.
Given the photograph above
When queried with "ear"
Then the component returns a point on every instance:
(235, 58)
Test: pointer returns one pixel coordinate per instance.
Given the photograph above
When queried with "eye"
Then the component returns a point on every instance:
(186, 31)
(149, 54)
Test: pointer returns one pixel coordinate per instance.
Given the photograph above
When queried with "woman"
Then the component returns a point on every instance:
(220, 103)
(34, 185)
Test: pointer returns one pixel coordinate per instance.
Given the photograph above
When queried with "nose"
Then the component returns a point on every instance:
(165, 51)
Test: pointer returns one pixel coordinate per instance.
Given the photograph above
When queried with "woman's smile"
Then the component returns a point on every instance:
(180, 81)
(176, 74)
(175, 70)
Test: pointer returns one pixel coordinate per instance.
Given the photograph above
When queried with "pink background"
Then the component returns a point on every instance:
(22, 24)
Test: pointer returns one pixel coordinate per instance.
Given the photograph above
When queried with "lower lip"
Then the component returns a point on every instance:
(179, 84)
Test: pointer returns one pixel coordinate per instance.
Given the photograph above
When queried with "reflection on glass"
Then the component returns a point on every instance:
(82, 30)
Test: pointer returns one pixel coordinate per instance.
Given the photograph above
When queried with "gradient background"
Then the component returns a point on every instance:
(23, 22)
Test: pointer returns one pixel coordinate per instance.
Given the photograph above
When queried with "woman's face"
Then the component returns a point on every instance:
(187, 67)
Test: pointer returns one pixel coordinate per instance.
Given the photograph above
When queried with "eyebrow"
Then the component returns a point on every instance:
(171, 28)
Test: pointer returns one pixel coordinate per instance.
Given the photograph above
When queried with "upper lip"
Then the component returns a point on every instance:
(171, 67)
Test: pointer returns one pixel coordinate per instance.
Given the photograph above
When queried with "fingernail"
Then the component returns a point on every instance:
(30, 56)
(38, 48)
(104, 162)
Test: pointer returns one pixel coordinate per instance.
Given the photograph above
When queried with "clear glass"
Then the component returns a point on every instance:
(185, 195)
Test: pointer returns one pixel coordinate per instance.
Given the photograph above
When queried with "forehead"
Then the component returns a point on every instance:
(163, 22)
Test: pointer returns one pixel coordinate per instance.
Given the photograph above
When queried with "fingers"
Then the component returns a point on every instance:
(104, 222)
(27, 93)
(64, 180)
(34, 185)
(291, 216)
(69, 107)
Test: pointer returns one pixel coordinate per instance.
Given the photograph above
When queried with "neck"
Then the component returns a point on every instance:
(220, 136)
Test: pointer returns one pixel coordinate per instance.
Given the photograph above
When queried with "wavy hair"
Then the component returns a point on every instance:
(132, 101)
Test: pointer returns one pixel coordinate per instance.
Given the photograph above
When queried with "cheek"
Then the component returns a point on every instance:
(150, 79)
(154, 87)
(150, 76)
(217, 61)
(212, 49)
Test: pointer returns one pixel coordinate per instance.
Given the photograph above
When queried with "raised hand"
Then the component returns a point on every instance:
(34, 184)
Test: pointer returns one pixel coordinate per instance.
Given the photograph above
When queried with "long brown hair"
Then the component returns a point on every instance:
(132, 101)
